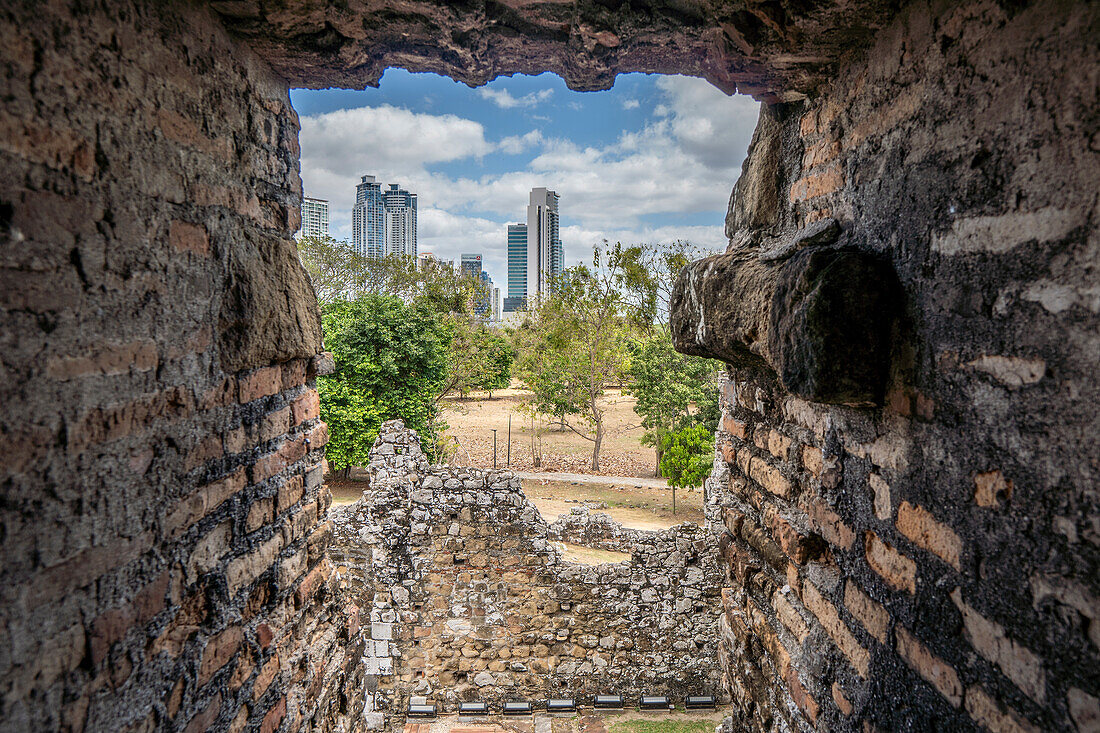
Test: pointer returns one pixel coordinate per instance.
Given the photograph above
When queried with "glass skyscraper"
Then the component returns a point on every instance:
(545, 258)
(367, 219)
(400, 218)
(517, 267)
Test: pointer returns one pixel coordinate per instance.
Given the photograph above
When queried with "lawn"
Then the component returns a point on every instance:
(662, 726)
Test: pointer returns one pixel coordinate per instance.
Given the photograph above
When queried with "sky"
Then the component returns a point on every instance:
(652, 159)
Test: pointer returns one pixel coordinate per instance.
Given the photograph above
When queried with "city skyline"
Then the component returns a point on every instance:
(651, 159)
(383, 221)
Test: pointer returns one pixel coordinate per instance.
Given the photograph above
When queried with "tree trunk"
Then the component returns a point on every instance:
(657, 470)
(596, 447)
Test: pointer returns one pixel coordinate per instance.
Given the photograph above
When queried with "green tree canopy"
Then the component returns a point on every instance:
(391, 362)
(687, 457)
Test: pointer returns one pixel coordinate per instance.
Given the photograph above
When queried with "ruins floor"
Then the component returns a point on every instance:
(628, 721)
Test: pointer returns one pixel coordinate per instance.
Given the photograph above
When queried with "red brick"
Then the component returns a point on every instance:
(868, 612)
(896, 569)
(221, 394)
(186, 237)
(219, 650)
(318, 437)
(150, 600)
(204, 721)
(779, 445)
(260, 383)
(883, 505)
(802, 699)
(111, 423)
(259, 514)
(796, 545)
(838, 631)
(933, 669)
(207, 449)
(812, 460)
(200, 503)
(306, 407)
(734, 427)
(290, 493)
(309, 585)
(769, 477)
(294, 373)
(267, 674)
(106, 360)
(829, 524)
(820, 153)
(107, 629)
(991, 488)
(921, 527)
(274, 717)
(352, 613)
(264, 635)
(841, 700)
(274, 424)
(817, 184)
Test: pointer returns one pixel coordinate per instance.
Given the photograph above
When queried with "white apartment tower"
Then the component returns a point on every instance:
(400, 217)
(314, 219)
(544, 250)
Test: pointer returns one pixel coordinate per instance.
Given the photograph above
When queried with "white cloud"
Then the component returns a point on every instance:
(504, 99)
(631, 104)
(516, 144)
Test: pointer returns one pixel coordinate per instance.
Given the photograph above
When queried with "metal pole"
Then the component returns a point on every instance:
(494, 448)
(509, 440)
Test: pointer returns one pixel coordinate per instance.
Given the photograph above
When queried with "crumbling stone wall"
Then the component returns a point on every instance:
(918, 547)
(162, 543)
(583, 527)
(469, 599)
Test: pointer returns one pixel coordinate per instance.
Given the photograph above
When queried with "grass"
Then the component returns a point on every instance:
(662, 726)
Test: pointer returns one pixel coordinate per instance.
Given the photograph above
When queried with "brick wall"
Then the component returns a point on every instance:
(162, 543)
(934, 563)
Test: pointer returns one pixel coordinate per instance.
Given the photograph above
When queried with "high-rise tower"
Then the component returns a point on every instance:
(544, 250)
(368, 219)
(517, 267)
(400, 218)
(314, 218)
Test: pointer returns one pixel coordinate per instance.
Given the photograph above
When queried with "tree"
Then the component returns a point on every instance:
(497, 355)
(687, 458)
(671, 390)
(573, 345)
(391, 362)
(335, 269)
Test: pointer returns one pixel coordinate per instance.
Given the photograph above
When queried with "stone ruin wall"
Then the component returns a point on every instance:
(469, 598)
(163, 548)
(932, 563)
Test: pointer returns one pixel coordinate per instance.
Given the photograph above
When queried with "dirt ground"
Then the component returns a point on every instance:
(472, 420)
(638, 508)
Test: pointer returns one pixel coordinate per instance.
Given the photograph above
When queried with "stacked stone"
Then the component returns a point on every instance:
(471, 599)
(583, 527)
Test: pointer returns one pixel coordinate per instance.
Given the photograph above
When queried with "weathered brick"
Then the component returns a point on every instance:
(309, 585)
(244, 569)
(921, 527)
(817, 184)
(812, 460)
(837, 630)
(933, 669)
(306, 407)
(218, 651)
(200, 503)
(204, 720)
(273, 424)
(828, 523)
(884, 509)
(260, 383)
(186, 237)
(769, 477)
(1084, 709)
(274, 717)
(799, 547)
(209, 550)
(259, 514)
(868, 612)
(290, 493)
(789, 616)
(294, 373)
(896, 569)
(267, 674)
(841, 700)
(991, 488)
(779, 445)
(292, 568)
(985, 711)
(106, 360)
(737, 428)
(801, 697)
(1016, 661)
(207, 449)
(108, 628)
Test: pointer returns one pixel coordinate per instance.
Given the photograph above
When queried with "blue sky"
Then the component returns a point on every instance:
(652, 159)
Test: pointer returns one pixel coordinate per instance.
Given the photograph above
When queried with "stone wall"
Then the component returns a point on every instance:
(928, 559)
(471, 600)
(162, 548)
